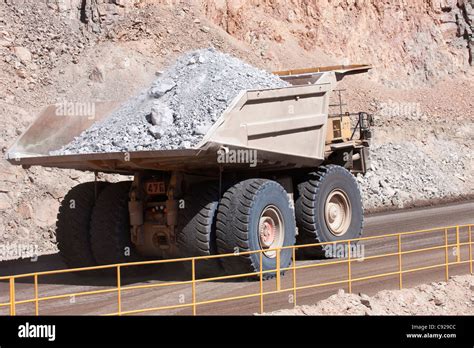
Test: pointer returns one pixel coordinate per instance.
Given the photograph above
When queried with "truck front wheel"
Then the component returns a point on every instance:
(328, 208)
(255, 214)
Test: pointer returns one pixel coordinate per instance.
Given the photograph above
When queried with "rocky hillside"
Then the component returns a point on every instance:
(410, 41)
(73, 50)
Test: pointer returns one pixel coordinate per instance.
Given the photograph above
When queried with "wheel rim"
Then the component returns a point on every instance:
(271, 230)
(337, 212)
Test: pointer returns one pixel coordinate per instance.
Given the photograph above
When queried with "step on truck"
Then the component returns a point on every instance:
(276, 169)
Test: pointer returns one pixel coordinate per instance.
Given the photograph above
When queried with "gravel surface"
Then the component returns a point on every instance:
(455, 297)
(179, 107)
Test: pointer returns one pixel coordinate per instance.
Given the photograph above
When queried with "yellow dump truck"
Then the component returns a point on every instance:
(275, 169)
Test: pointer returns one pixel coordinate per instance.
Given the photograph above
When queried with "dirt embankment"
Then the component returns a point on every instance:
(55, 51)
(456, 297)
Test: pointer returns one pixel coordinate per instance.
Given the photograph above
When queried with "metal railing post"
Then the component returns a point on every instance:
(446, 256)
(458, 247)
(12, 296)
(261, 283)
(278, 284)
(470, 249)
(349, 271)
(119, 291)
(193, 270)
(36, 295)
(294, 276)
(400, 280)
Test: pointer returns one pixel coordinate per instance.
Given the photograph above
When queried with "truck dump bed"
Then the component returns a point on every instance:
(283, 125)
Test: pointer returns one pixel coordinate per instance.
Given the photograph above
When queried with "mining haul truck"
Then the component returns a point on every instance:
(276, 169)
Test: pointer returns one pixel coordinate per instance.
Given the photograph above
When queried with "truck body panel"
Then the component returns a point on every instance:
(286, 126)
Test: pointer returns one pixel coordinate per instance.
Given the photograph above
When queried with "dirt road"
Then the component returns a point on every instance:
(377, 224)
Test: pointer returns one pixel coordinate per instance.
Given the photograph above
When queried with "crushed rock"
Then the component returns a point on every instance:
(406, 172)
(178, 108)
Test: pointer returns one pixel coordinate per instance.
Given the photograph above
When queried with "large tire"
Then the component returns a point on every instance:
(110, 226)
(197, 227)
(316, 193)
(73, 225)
(239, 220)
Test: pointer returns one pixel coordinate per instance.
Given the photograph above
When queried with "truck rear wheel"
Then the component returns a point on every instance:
(73, 225)
(329, 208)
(110, 226)
(197, 227)
(255, 214)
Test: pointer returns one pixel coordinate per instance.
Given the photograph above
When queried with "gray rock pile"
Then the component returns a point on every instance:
(407, 172)
(179, 107)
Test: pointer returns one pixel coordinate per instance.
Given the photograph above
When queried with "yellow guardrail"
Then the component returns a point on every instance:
(119, 289)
